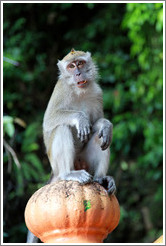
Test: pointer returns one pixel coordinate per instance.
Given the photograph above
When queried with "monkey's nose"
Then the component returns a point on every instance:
(78, 74)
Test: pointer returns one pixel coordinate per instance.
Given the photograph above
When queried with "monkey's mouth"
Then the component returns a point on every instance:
(81, 83)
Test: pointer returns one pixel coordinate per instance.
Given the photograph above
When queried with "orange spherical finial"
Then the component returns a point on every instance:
(68, 212)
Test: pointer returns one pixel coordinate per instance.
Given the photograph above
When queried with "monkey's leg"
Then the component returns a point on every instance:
(62, 156)
(98, 161)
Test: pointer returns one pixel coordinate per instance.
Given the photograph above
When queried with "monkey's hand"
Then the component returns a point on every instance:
(106, 133)
(83, 127)
(108, 183)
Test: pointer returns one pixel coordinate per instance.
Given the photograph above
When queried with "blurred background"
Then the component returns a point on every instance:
(126, 43)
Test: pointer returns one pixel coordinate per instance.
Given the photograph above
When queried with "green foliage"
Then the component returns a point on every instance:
(23, 166)
(8, 126)
(126, 43)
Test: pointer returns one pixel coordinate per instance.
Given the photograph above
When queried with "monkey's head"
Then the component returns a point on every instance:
(78, 69)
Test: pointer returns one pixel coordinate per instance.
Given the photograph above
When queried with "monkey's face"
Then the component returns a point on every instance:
(78, 71)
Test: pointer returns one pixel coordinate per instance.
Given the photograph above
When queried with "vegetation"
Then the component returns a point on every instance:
(126, 42)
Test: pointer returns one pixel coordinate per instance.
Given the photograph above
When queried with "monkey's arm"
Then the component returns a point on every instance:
(105, 129)
(68, 117)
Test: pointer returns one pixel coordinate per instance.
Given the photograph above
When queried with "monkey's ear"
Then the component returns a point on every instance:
(61, 65)
(58, 63)
(88, 56)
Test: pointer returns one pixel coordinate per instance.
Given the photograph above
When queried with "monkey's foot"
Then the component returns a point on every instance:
(81, 176)
(108, 183)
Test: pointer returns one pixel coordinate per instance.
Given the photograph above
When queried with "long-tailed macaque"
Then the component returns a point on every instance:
(76, 134)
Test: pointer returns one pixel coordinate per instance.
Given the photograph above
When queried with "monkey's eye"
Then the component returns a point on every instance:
(80, 63)
(71, 65)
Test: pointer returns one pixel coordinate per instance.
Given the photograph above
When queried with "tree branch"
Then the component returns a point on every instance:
(12, 152)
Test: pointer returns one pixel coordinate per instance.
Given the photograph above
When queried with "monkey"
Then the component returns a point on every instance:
(76, 135)
(74, 128)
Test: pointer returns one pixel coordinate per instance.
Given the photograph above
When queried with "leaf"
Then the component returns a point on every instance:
(26, 168)
(7, 119)
(20, 122)
(124, 165)
(9, 129)
(30, 147)
(19, 180)
(34, 160)
(30, 173)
